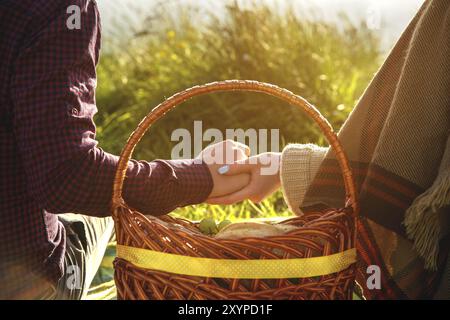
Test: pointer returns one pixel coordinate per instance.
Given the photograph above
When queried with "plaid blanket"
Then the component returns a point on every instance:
(397, 139)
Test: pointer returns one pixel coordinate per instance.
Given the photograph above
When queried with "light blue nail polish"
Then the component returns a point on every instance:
(223, 169)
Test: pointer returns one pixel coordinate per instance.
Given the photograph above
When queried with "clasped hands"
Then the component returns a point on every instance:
(237, 176)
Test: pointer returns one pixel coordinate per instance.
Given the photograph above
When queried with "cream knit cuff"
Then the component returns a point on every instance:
(299, 165)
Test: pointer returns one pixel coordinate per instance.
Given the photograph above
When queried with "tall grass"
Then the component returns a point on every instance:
(328, 64)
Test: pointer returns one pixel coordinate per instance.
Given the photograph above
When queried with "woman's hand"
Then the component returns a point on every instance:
(264, 172)
(225, 152)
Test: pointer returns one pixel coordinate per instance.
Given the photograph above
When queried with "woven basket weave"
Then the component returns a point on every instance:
(317, 234)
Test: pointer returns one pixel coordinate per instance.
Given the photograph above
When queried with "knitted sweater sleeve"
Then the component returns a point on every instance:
(299, 165)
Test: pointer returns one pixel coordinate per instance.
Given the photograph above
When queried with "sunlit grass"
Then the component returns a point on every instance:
(329, 65)
(271, 207)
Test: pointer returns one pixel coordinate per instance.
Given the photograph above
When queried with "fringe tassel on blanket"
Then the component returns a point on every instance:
(422, 219)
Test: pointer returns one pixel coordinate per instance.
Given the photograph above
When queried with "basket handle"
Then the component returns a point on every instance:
(235, 85)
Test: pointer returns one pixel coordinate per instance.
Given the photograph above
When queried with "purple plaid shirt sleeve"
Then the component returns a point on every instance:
(53, 92)
(49, 159)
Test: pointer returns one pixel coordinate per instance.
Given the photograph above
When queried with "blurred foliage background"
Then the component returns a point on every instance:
(328, 64)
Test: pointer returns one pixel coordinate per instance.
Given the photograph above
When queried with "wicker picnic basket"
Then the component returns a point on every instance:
(168, 258)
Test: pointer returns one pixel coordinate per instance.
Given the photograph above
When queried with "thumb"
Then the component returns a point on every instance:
(238, 167)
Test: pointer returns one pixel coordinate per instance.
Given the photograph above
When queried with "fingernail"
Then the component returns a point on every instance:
(223, 169)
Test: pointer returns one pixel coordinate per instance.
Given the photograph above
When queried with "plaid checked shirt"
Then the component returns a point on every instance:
(49, 159)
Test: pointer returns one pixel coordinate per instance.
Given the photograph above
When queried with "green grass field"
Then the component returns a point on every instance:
(328, 64)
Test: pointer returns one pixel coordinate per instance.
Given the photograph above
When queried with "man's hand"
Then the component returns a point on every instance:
(263, 170)
(219, 154)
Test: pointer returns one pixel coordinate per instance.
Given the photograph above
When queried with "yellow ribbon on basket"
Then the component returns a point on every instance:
(237, 269)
